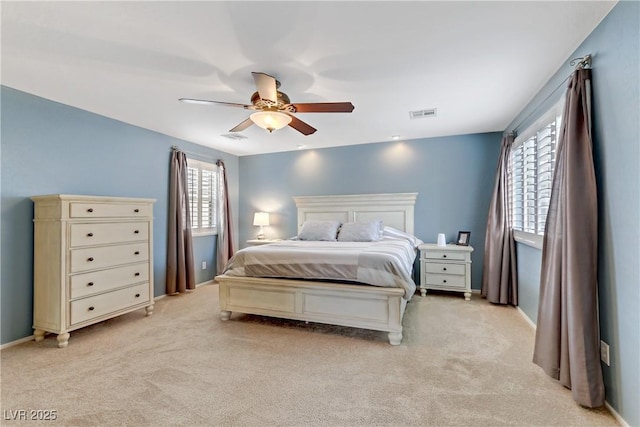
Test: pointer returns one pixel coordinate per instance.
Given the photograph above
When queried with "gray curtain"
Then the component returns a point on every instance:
(567, 334)
(180, 267)
(499, 279)
(225, 248)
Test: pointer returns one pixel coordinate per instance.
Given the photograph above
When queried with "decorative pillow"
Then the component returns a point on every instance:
(360, 231)
(319, 230)
(394, 233)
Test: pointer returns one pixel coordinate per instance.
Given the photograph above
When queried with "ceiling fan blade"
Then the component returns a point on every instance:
(266, 85)
(242, 126)
(324, 107)
(207, 102)
(301, 126)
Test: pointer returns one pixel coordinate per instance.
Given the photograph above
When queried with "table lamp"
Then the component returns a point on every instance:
(261, 219)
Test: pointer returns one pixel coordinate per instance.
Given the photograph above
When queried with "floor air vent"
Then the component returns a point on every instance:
(421, 114)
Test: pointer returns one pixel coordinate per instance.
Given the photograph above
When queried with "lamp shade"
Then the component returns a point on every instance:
(261, 218)
(270, 120)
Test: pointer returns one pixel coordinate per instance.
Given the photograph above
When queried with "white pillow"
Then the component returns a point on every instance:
(394, 233)
(319, 230)
(360, 231)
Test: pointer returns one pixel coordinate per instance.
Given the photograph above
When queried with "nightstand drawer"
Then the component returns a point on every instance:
(445, 268)
(445, 255)
(445, 280)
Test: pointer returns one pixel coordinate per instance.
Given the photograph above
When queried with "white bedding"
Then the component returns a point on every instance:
(387, 262)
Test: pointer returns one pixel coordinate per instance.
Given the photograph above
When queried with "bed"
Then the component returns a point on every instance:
(352, 303)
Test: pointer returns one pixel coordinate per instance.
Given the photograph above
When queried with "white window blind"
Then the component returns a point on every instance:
(532, 164)
(202, 181)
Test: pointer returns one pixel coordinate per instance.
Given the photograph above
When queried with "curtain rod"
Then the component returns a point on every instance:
(579, 63)
(175, 147)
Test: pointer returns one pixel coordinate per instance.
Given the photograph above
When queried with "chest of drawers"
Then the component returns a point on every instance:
(93, 260)
(446, 268)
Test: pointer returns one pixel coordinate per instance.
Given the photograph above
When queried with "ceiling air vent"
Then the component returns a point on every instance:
(235, 136)
(421, 114)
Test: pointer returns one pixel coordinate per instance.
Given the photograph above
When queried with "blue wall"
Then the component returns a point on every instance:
(454, 177)
(615, 46)
(50, 148)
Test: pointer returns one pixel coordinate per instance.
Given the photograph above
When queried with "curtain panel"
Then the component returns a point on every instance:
(180, 267)
(567, 333)
(225, 249)
(499, 278)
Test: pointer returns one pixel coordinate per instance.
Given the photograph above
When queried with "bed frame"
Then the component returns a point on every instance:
(367, 307)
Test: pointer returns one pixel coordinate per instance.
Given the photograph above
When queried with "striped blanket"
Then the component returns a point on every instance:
(386, 263)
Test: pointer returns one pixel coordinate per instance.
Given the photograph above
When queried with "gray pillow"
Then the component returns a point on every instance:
(360, 231)
(319, 230)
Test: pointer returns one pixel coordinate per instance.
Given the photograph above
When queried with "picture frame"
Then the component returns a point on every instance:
(463, 238)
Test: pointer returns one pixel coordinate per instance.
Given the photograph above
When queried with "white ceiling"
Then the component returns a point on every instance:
(478, 63)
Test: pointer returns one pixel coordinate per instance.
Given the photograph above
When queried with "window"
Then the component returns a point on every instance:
(531, 167)
(202, 182)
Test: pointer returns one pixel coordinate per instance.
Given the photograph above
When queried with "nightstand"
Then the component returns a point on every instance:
(446, 268)
(257, 242)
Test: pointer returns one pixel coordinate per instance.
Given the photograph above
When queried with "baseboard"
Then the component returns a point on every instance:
(16, 342)
(525, 317)
(616, 415)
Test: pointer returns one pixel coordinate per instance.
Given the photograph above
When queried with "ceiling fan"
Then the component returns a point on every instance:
(273, 108)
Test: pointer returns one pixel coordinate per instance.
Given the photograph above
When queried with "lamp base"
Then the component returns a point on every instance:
(260, 236)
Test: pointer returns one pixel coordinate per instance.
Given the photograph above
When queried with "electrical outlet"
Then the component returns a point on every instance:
(204, 265)
(604, 352)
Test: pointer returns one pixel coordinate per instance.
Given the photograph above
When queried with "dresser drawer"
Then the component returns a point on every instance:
(444, 268)
(445, 280)
(99, 305)
(115, 232)
(109, 210)
(86, 284)
(108, 256)
(445, 255)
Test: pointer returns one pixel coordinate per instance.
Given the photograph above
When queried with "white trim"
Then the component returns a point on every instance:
(616, 415)
(208, 282)
(16, 342)
(525, 317)
(529, 239)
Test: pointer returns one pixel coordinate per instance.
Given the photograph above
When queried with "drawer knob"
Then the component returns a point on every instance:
(444, 269)
(92, 308)
(137, 274)
(136, 253)
(444, 281)
(90, 259)
(89, 234)
(137, 295)
(90, 284)
(136, 232)
(444, 256)
(136, 210)
(90, 210)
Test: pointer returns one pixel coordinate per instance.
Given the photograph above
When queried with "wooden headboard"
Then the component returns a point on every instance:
(394, 209)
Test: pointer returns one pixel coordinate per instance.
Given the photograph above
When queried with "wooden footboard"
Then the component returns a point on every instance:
(360, 306)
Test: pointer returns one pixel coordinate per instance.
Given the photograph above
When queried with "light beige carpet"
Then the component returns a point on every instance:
(462, 363)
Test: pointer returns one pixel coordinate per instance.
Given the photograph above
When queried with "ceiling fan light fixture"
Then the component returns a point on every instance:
(270, 120)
